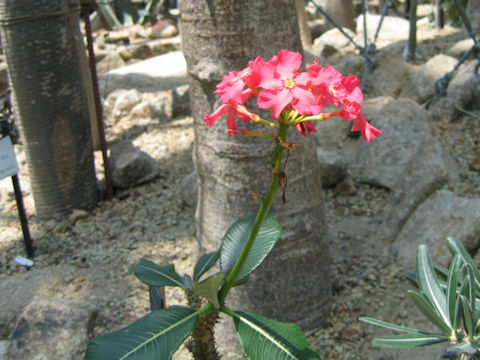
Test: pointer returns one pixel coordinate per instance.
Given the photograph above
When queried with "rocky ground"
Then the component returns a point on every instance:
(87, 256)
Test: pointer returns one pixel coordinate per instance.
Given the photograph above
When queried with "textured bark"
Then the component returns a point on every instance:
(293, 284)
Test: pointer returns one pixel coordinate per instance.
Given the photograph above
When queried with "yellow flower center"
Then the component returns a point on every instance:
(289, 83)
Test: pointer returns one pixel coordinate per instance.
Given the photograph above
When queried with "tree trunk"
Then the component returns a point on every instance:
(40, 43)
(473, 12)
(293, 284)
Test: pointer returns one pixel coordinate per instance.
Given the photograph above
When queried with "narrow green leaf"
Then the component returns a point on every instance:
(156, 336)
(235, 238)
(426, 308)
(389, 326)
(154, 275)
(429, 285)
(409, 340)
(108, 14)
(469, 291)
(464, 347)
(204, 264)
(456, 247)
(468, 318)
(263, 338)
(209, 289)
(452, 288)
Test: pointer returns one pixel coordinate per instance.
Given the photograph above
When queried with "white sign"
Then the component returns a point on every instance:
(8, 161)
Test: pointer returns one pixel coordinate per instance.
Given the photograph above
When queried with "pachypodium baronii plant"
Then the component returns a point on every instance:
(449, 299)
(295, 99)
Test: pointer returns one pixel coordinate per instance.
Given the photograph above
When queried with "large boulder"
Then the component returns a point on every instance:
(463, 92)
(393, 28)
(52, 329)
(162, 72)
(431, 168)
(21, 288)
(131, 166)
(333, 42)
(421, 84)
(383, 161)
(442, 215)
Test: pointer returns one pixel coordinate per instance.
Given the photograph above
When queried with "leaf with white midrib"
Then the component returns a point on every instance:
(429, 285)
(154, 275)
(409, 340)
(156, 336)
(263, 338)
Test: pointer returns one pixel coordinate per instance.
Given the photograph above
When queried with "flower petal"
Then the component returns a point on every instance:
(275, 99)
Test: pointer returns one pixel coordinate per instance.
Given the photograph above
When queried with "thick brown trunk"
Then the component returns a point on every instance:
(294, 282)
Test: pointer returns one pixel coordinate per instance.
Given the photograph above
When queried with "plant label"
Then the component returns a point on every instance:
(8, 161)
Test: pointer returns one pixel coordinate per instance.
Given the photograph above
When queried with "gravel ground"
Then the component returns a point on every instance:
(151, 221)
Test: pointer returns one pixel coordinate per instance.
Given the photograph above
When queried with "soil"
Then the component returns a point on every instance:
(94, 251)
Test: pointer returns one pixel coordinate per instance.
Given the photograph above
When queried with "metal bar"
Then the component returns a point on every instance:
(466, 20)
(384, 12)
(412, 36)
(337, 25)
(23, 217)
(98, 105)
(439, 14)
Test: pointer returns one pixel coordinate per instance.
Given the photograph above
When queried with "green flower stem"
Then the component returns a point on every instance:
(261, 215)
(266, 122)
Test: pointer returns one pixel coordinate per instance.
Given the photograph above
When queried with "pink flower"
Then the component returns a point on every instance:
(278, 78)
(232, 109)
(369, 132)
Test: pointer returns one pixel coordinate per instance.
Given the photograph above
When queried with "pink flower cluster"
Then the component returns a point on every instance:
(279, 86)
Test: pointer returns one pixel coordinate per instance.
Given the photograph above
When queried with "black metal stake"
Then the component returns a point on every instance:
(23, 216)
(98, 105)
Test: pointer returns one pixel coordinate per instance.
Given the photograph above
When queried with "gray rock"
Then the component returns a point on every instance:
(430, 170)
(351, 64)
(443, 214)
(336, 148)
(161, 106)
(189, 190)
(383, 161)
(460, 48)
(332, 167)
(463, 92)
(4, 345)
(135, 51)
(181, 101)
(162, 72)
(333, 42)
(162, 31)
(131, 166)
(52, 329)
(20, 289)
(125, 101)
(421, 85)
(393, 28)
(389, 76)
(111, 61)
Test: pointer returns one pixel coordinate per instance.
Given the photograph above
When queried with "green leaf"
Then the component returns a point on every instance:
(429, 285)
(464, 347)
(409, 340)
(108, 14)
(156, 336)
(205, 263)
(263, 338)
(452, 288)
(151, 274)
(468, 318)
(456, 247)
(209, 289)
(426, 308)
(389, 326)
(235, 238)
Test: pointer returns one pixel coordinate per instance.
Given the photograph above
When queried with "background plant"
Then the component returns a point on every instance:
(449, 299)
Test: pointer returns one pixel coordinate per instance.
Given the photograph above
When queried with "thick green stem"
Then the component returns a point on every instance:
(261, 215)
